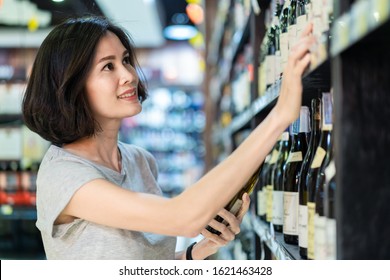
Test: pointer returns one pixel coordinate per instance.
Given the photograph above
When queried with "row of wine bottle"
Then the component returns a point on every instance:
(294, 187)
(285, 21)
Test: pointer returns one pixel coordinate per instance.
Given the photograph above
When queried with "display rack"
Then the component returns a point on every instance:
(357, 69)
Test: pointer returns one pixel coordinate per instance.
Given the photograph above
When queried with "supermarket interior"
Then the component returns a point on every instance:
(214, 71)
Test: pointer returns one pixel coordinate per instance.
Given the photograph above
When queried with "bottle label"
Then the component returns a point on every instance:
(309, 12)
(295, 127)
(330, 171)
(236, 207)
(270, 189)
(270, 69)
(285, 136)
(301, 24)
(304, 120)
(327, 111)
(290, 217)
(292, 36)
(318, 158)
(275, 155)
(278, 66)
(331, 239)
(261, 203)
(319, 237)
(294, 157)
(317, 8)
(284, 48)
(311, 210)
(302, 226)
(277, 208)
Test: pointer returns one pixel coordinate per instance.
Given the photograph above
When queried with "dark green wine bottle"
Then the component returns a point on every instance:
(235, 203)
(322, 150)
(290, 179)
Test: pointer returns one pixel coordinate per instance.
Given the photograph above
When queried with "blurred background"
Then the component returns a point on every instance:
(169, 38)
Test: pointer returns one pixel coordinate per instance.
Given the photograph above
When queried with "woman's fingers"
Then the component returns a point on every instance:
(300, 49)
(307, 30)
(244, 208)
(217, 239)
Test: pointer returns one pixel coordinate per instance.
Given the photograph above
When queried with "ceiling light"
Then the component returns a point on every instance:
(180, 32)
(179, 28)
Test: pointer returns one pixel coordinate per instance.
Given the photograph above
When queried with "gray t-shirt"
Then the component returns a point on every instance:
(61, 174)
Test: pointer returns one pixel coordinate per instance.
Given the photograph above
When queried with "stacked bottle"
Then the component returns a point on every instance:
(299, 130)
(278, 173)
(323, 152)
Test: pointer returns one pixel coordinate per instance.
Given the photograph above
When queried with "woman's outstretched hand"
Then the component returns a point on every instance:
(290, 98)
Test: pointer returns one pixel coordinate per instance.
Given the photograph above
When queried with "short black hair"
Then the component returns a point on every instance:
(55, 104)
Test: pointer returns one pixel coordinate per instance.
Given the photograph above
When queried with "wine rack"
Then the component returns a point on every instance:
(357, 69)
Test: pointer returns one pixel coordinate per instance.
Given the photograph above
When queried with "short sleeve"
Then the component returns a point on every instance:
(57, 182)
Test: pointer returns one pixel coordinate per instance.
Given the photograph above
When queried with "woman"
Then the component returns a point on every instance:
(97, 198)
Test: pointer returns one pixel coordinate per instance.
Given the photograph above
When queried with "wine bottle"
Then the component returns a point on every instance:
(235, 203)
(301, 17)
(261, 185)
(302, 182)
(320, 154)
(319, 216)
(290, 179)
(270, 57)
(329, 210)
(292, 24)
(270, 180)
(277, 194)
(284, 33)
(308, 10)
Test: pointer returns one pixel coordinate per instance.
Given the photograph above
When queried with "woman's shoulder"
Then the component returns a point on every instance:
(57, 157)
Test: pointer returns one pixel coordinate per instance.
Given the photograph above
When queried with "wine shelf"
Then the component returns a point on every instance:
(353, 26)
(356, 69)
(317, 78)
(274, 240)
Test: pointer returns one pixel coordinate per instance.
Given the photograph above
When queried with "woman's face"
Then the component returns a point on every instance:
(111, 85)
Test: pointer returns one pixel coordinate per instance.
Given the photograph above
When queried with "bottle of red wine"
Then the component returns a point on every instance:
(299, 129)
(322, 150)
(302, 182)
(235, 203)
(277, 194)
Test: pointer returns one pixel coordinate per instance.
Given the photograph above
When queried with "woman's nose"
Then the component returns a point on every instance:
(128, 75)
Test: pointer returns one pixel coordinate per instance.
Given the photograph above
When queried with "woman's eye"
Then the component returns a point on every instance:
(108, 66)
(126, 60)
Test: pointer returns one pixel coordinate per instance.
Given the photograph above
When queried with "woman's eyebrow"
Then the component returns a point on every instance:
(110, 57)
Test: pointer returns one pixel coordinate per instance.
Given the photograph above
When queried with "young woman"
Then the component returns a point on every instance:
(98, 198)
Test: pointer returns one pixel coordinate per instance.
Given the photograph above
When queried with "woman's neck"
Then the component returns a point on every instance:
(101, 148)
